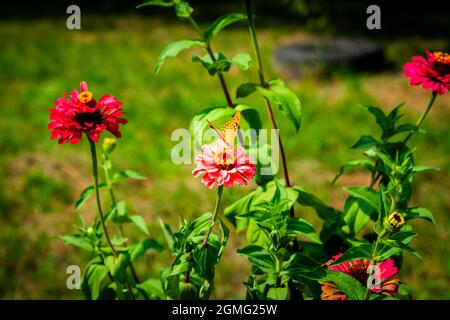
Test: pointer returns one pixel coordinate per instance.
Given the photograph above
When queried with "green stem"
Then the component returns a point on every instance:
(373, 256)
(215, 215)
(97, 196)
(99, 207)
(114, 205)
(220, 75)
(213, 59)
(263, 83)
(422, 116)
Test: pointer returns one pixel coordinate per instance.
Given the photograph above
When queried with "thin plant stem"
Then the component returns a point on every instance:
(97, 197)
(99, 206)
(263, 82)
(114, 205)
(215, 215)
(422, 116)
(220, 75)
(373, 256)
(223, 83)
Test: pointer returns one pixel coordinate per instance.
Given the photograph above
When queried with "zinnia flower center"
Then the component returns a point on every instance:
(442, 57)
(89, 119)
(359, 272)
(224, 160)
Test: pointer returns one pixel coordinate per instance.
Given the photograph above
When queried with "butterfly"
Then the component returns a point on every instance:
(228, 131)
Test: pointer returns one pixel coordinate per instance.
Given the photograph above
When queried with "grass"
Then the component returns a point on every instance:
(40, 180)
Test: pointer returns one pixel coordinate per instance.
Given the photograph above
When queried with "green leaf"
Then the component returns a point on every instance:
(173, 49)
(206, 259)
(406, 127)
(398, 241)
(251, 116)
(161, 3)
(357, 214)
(118, 176)
(92, 280)
(424, 168)
(153, 288)
(181, 266)
(140, 223)
(259, 257)
(255, 235)
(200, 224)
(301, 227)
(422, 213)
(118, 240)
(278, 293)
(245, 90)
(352, 288)
(225, 234)
(365, 142)
(306, 198)
(242, 60)
(221, 23)
(278, 93)
(367, 194)
(354, 164)
(363, 251)
(78, 241)
(86, 194)
(221, 63)
(183, 9)
(168, 235)
(380, 117)
(138, 250)
(118, 213)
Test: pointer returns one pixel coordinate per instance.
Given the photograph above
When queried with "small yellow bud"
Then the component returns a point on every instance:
(109, 144)
(394, 221)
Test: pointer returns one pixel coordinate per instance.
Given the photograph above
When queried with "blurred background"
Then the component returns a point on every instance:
(115, 52)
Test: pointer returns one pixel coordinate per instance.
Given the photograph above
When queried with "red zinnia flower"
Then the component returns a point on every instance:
(432, 72)
(223, 165)
(80, 113)
(359, 269)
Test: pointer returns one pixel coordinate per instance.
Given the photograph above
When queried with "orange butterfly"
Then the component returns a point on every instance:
(229, 130)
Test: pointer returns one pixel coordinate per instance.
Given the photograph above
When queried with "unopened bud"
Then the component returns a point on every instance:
(109, 144)
(394, 221)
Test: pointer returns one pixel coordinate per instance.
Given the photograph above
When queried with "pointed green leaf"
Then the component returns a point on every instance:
(140, 223)
(173, 49)
(221, 23)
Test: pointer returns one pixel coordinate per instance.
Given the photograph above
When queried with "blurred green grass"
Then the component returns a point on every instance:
(40, 180)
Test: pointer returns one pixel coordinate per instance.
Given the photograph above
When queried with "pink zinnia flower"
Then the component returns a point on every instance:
(358, 269)
(222, 165)
(432, 71)
(80, 113)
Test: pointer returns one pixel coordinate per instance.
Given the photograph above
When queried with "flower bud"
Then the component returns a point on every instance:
(394, 222)
(109, 144)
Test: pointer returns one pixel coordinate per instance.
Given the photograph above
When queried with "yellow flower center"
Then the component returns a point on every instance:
(85, 96)
(224, 160)
(396, 220)
(442, 57)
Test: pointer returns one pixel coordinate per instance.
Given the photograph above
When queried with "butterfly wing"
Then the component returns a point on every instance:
(229, 129)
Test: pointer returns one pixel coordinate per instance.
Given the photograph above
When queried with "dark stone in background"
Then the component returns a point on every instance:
(329, 54)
